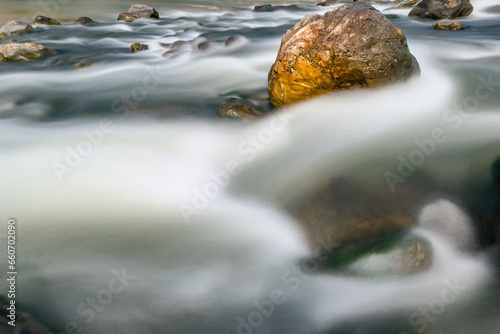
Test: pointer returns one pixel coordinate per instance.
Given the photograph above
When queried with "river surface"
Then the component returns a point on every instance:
(139, 210)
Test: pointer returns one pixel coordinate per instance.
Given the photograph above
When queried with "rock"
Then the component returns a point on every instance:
(442, 9)
(23, 51)
(82, 64)
(40, 19)
(84, 20)
(346, 217)
(407, 256)
(407, 4)
(14, 28)
(137, 12)
(271, 8)
(448, 26)
(169, 53)
(240, 108)
(352, 46)
(136, 47)
(325, 3)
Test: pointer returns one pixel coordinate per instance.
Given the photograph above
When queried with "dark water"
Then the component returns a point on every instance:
(128, 189)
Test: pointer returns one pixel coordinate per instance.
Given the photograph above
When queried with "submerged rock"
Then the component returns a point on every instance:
(442, 9)
(84, 20)
(136, 47)
(14, 28)
(350, 47)
(271, 8)
(407, 4)
(448, 26)
(23, 51)
(84, 63)
(138, 11)
(240, 108)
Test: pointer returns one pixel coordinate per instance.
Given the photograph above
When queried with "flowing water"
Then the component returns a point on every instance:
(139, 210)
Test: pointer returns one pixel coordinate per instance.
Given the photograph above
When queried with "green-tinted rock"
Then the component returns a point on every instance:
(40, 19)
(136, 47)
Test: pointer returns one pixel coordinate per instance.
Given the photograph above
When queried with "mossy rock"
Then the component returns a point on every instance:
(136, 47)
(40, 19)
(23, 52)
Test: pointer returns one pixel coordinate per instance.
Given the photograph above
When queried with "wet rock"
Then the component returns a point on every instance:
(84, 20)
(14, 28)
(206, 47)
(240, 108)
(138, 11)
(352, 46)
(136, 47)
(84, 63)
(271, 8)
(235, 41)
(40, 19)
(442, 9)
(326, 3)
(448, 26)
(23, 51)
(347, 218)
(407, 4)
(406, 256)
(169, 53)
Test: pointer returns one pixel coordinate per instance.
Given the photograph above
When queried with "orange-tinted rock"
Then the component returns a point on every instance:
(352, 46)
(448, 26)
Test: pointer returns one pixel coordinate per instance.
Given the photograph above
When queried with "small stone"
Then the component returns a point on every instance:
(448, 26)
(136, 47)
(40, 19)
(14, 28)
(239, 108)
(169, 53)
(84, 20)
(138, 11)
(442, 9)
(204, 46)
(23, 51)
(271, 8)
(82, 64)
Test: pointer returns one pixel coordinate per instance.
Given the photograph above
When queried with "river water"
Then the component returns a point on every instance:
(139, 210)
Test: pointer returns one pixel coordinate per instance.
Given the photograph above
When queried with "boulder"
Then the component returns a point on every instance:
(442, 9)
(136, 47)
(350, 47)
(137, 12)
(40, 19)
(23, 51)
(448, 26)
(14, 28)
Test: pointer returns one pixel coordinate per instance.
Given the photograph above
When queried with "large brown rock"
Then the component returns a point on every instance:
(23, 51)
(350, 47)
(442, 9)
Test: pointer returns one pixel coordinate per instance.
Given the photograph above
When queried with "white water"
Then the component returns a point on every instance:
(119, 206)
